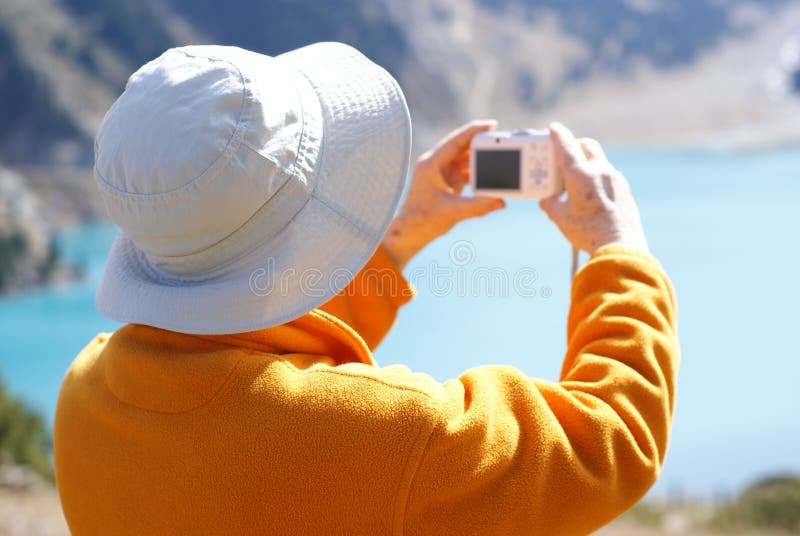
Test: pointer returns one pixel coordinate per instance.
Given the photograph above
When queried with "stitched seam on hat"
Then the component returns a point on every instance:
(300, 150)
(288, 179)
(217, 165)
(301, 147)
(337, 210)
(346, 217)
(303, 135)
(285, 170)
(201, 276)
(291, 172)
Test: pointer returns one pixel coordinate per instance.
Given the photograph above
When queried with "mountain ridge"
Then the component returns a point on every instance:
(710, 73)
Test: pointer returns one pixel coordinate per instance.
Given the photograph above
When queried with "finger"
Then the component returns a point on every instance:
(615, 184)
(555, 208)
(608, 186)
(459, 166)
(456, 177)
(458, 140)
(461, 159)
(472, 207)
(459, 180)
(568, 151)
(592, 149)
(572, 163)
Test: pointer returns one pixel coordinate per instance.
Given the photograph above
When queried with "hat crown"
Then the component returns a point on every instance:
(175, 118)
(233, 237)
(200, 141)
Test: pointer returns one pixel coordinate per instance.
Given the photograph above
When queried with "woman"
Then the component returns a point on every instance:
(255, 197)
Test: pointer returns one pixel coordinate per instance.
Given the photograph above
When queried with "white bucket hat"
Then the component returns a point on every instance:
(248, 189)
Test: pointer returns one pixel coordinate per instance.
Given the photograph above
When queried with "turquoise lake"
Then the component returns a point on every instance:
(726, 227)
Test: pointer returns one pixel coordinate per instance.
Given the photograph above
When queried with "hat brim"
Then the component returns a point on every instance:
(362, 170)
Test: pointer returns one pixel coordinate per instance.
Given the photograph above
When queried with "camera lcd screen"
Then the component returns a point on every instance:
(497, 170)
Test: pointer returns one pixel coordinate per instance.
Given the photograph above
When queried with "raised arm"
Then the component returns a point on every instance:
(370, 301)
(434, 203)
(510, 454)
(432, 207)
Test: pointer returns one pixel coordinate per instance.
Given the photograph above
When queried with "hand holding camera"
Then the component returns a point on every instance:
(518, 163)
(434, 203)
(598, 209)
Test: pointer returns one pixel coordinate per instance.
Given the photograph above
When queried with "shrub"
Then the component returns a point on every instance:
(646, 514)
(771, 503)
(24, 438)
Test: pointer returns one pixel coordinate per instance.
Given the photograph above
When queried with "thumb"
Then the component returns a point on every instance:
(555, 208)
(472, 207)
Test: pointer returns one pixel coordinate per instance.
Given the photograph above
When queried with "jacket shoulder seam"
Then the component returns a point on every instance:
(418, 449)
(374, 379)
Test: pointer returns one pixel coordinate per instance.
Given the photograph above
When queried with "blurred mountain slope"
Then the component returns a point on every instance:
(601, 66)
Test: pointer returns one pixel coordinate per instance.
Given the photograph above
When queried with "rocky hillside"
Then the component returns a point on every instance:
(28, 255)
(65, 60)
(708, 72)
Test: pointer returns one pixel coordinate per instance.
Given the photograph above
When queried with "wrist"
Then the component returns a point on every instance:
(402, 241)
(630, 240)
(396, 251)
(410, 232)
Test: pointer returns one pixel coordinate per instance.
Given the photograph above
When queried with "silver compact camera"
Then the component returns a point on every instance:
(514, 163)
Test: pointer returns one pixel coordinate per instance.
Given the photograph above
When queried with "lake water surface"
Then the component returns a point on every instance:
(725, 227)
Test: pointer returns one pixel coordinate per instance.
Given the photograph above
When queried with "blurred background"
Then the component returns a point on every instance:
(697, 102)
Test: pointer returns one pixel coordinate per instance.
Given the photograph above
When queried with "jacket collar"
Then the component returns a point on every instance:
(315, 333)
(166, 371)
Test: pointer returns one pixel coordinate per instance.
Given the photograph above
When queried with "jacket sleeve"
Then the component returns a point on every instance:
(370, 301)
(509, 454)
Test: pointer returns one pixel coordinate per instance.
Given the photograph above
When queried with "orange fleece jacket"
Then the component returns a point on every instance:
(295, 430)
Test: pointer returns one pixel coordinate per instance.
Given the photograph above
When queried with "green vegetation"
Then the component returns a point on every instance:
(770, 506)
(772, 503)
(646, 514)
(24, 439)
(20, 267)
(12, 246)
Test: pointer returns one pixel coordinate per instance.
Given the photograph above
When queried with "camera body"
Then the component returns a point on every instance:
(518, 163)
